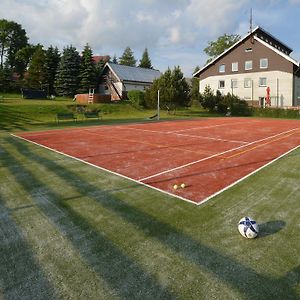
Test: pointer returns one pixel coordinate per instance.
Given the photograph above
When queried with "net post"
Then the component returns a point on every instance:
(158, 106)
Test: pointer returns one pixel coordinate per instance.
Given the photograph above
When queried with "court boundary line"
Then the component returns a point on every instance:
(107, 170)
(186, 135)
(246, 176)
(139, 182)
(215, 155)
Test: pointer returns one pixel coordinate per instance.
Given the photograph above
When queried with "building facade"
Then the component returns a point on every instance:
(258, 69)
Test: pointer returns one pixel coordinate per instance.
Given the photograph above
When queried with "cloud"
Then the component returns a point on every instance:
(162, 26)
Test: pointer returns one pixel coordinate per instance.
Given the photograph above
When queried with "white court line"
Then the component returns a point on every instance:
(245, 177)
(106, 170)
(215, 155)
(186, 135)
(213, 126)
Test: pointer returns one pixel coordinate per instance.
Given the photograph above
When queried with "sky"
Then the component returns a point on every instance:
(175, 32)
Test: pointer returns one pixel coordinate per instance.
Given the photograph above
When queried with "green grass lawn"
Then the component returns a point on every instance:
(71, 231)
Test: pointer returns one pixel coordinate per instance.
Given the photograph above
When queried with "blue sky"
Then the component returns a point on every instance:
(174, 31)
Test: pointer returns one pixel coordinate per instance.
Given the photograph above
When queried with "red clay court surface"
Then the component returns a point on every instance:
(208, 155)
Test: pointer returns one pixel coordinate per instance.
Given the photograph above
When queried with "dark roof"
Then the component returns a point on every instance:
(263, 36)
(135, 74)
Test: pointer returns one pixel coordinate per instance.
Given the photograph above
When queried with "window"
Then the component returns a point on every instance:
(262, 81)
(222, 69)
(235, 67)
(248, 50)
(234, 83)
(248, 65)
(247, 83)
(263, 63)
(221, 84)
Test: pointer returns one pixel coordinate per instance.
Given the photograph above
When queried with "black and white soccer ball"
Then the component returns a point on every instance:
(248, 228)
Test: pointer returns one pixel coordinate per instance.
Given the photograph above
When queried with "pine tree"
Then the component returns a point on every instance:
(127, 58)
(67, 77)
(181, 87)
(195, 94)
(5, 79)
(173, 88)
(37, 71)
(145, 62)
(87, 73)
(115, 60)
(52, 58)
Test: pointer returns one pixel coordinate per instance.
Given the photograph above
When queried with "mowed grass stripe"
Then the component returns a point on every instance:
(50, 246)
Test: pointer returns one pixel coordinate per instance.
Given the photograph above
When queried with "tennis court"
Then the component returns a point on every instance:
(207, 155)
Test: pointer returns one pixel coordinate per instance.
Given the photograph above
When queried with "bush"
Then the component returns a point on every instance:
(275, 112)
(137, 98)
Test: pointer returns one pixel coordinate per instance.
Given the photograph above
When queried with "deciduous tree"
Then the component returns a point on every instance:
(217, 47)
(12, 38)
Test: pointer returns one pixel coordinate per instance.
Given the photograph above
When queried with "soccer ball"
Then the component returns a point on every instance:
(248, 228)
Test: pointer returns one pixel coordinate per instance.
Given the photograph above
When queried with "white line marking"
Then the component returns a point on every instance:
(186, 135)
(213, 126)
(215, 155)
(245, 177)
(106, 170)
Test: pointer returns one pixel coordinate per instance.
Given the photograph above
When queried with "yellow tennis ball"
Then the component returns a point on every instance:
(182, 185)
(175, 186)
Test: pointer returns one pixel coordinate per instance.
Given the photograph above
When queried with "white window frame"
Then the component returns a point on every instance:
(235, 66)
(261, 62)
(248, 50)
(261, 83)
(222, 68)
(234, 83)
(248, 68)
(219, 84)
(247, 83)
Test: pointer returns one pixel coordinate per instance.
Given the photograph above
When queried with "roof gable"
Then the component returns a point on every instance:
(134, 74)
(262, 36)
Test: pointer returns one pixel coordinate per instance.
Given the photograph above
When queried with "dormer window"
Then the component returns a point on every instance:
(222, 68)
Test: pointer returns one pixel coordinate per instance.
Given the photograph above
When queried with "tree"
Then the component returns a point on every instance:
(67, 77)
(217, 47)
(208, 99)
(145, 62)
(23, 58)
(87, 73)
(115, 60)
(12, 38)
(195, 94)
(52, 58)
(180, 86)
(37, 71)
(5, 79)
(173, 90)
(127, 58)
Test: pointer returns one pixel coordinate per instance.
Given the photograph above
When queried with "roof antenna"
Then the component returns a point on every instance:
(250, 20)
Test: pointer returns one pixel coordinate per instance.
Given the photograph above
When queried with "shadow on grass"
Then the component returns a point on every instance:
(270, 228)
(20, 274)
(226, 269)
(125, 277)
